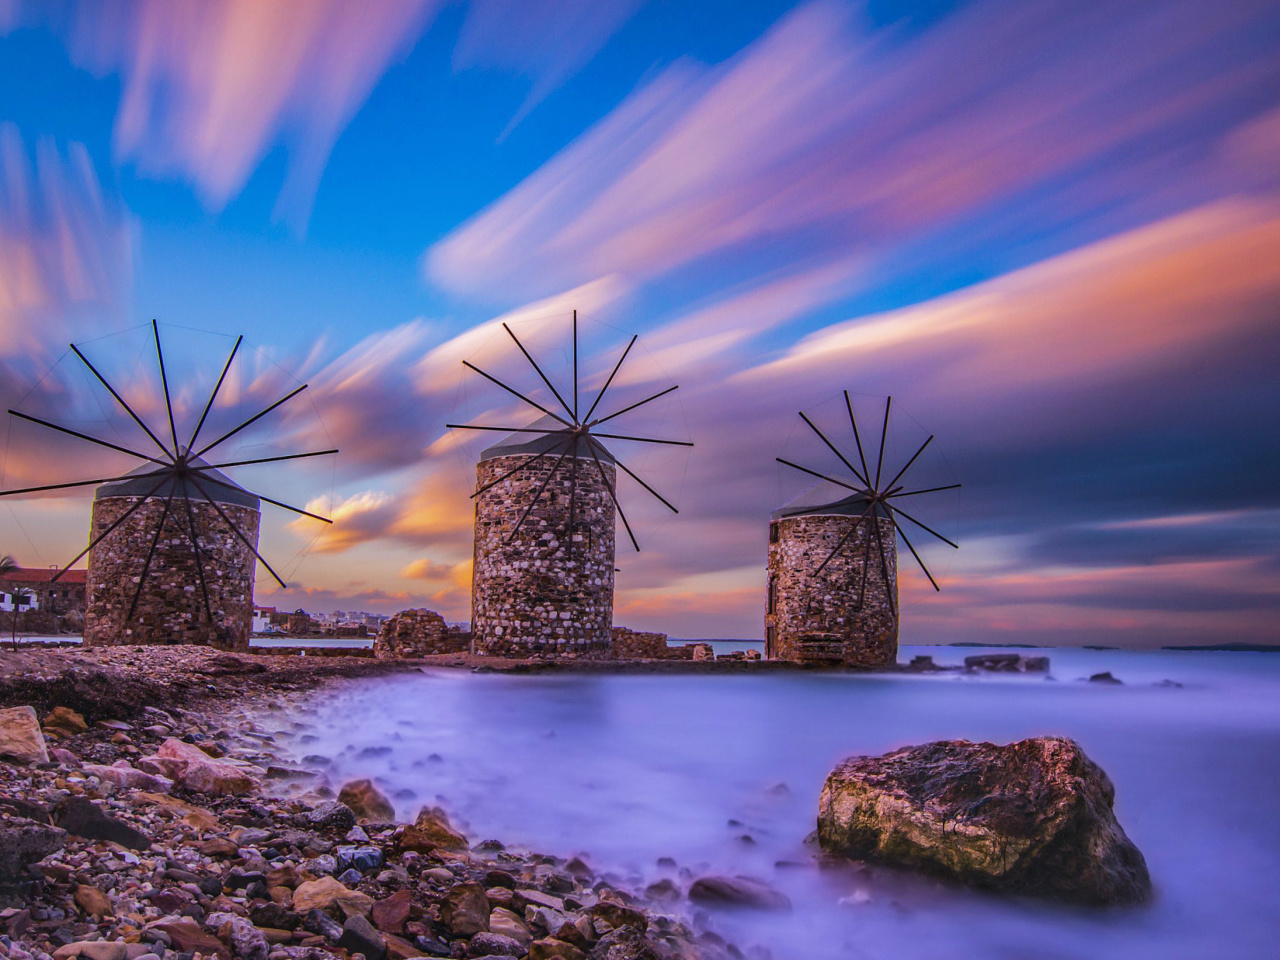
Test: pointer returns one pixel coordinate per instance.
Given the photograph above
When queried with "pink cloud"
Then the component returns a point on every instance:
(210, 87)
(822, 138)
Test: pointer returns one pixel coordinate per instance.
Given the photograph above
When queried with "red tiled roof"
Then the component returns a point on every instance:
(43, 575)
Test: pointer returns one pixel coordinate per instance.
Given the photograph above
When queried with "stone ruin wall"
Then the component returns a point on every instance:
(813, 617)
(631, 644)
(171, 605)
(536, 596)
(418, 633)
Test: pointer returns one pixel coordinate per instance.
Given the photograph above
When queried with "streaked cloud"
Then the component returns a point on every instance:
(211, 87)
(501, 34)
(356, 519)
(823, 137)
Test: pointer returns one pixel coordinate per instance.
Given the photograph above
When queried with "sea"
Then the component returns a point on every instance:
(721, 774)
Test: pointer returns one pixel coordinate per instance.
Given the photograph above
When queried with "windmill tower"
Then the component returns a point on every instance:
(833, 563)
(173, 543)
(546, 497)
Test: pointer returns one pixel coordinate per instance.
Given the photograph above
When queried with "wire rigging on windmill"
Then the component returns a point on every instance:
(546, 498)
(833, 564)
(173, 542)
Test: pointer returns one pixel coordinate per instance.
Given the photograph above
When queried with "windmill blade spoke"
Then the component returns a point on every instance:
(604, 477)
(274, 503)
(661, 393)
(670, 443)
(236, 530)
(82, 483)
(528, 356)
(903, 533)
(884, 566)
(625, 469)
(843, 540)
(522, 465)
(616, 367)
(912, 493)
(516, 393)
(254, 419)
(884, 433)
(922, 526)
(85, 436)
(477, 426)
(287, 456)
(105, 533)
(832, 447)
(820, 476)
(194, 536)
(537, 496)
(213, 396)
(575, 366)
(857, 438)
(164, 379)
(910, 462)
(120, 400)
(151, 552)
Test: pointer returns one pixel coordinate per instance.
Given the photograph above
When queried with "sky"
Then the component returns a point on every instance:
(1050, 230)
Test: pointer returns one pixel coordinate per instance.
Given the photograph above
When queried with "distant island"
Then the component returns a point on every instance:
(1229, 647)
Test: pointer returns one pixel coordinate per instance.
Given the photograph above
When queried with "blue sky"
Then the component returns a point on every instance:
(1049, 229)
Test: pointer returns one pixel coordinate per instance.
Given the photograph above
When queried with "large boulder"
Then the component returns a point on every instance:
(431, 831)
(21, 739)
(1032, 817)
(22, 843)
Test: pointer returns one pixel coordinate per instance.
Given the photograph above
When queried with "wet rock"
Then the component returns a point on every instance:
(729, 892)
(332, 815)
(619, 915)
(319, 922)
(494, 945)
(82, 818)
(664, 890)
(551, 949)
(624, 944)
(367, 802)
(124, 774)
(91, 950)
(1032, 817)
(361, 859)
(389, 915)
(64, 722)
(465, 910)
(1105, 677)
(1006, 663)
(359, 936)
(92, 901)
(275, 916)
(248, 942)
(327, 893)
(187, 937)
(21, 739)
(431, 831)
(503, 921)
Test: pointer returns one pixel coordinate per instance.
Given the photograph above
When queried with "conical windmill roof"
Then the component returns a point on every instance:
(140, 483)
(532, 444)
(817, 502)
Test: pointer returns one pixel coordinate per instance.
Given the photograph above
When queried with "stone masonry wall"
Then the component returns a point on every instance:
(631, 644)
(171, 604)
(542, 595)
(814, 617)
(418, 633)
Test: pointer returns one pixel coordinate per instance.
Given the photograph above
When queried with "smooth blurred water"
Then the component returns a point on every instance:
(627, 769)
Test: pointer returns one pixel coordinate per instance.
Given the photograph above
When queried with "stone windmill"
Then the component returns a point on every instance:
(546, 497)
(833, 563)
(173, 543)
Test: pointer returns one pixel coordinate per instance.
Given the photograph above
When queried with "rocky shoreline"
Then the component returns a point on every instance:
(163, 822)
